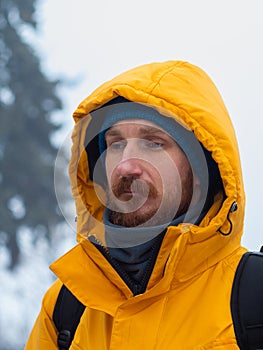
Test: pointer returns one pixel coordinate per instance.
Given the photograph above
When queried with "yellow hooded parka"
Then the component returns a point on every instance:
(186, 305)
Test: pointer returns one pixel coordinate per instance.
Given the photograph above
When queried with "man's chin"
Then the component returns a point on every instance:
(133, 219)
(132, 200)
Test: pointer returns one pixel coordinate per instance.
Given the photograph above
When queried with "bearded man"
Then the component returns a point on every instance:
(157, 182)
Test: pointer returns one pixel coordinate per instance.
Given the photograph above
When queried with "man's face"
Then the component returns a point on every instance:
(150, 180)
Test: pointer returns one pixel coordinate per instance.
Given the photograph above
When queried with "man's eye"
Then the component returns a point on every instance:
(117, 145)
(153, 144)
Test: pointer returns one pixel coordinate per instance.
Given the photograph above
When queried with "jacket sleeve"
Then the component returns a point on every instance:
(44, 335)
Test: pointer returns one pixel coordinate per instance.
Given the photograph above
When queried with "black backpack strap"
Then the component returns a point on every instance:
(66, 316)
(247, 302)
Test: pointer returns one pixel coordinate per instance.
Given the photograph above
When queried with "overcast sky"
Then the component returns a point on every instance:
(89, 42)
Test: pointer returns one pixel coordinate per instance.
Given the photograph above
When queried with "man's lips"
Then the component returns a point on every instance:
(127, 194)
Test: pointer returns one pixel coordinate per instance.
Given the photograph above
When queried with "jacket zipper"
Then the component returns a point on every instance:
(133, 286)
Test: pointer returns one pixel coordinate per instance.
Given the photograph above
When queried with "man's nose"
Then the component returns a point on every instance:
(129, 167)
(130, 163)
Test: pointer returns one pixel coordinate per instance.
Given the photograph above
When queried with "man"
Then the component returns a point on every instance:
(156, 177)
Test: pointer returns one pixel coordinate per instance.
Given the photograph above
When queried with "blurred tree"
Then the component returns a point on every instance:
(27, 155)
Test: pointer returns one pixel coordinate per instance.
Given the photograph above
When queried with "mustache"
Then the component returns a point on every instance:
(134, 185)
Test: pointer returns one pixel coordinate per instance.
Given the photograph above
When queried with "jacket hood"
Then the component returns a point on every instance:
(188, 95)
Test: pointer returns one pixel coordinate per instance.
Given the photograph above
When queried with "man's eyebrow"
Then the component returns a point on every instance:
(144, 130)
(150, 130)
(112, 132)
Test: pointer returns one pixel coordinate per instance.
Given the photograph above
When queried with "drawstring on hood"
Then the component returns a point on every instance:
(231, 210)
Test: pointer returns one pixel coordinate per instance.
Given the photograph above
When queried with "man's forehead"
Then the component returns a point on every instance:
(142, 124)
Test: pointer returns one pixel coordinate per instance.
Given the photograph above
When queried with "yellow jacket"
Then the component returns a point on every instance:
(187, 302)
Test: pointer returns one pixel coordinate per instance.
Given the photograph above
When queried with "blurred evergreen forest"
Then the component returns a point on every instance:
(27, 100)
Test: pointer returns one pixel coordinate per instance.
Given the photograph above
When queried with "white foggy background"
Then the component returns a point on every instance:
(89, 42)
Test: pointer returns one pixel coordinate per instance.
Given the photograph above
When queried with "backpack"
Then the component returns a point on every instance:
(246, 306)
(247, 301)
